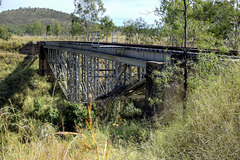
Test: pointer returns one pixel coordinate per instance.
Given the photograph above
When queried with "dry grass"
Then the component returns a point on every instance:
(26, 138)
(210, 129)
(17, 42)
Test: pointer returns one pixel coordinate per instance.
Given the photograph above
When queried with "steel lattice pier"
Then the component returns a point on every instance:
(78, 74)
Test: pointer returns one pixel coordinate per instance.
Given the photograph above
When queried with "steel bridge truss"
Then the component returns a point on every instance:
(79, 74)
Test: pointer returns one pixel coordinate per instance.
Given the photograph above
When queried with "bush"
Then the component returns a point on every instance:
(74, 114)
(4, 34)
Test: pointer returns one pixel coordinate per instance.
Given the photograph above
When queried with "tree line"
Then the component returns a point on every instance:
(37, 28)
(85, 20)
(211, 24)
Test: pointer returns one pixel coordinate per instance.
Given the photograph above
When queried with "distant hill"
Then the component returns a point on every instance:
(27, 16)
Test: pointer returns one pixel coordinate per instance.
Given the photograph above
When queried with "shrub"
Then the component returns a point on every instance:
(4, 34)
(74, 114)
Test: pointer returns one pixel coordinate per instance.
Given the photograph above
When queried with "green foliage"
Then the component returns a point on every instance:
(15, 30)
(27, 16)
(4, 34)
(20, 21)
(77, 29)
(172, 22)
(140, 32)
(209, 66)
(49, 29)
(52, 115)
(129, 31)
(21, 75)
(130, 110)
(37, 105)
(74, 114)
(38, 28)
(210, 23)
(106, 26)
(57, 29)
(218, 15)
(88, 12)
(49, 114)
(113, 111)
(131, 133)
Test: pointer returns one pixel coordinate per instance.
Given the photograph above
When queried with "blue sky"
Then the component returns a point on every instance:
(118, 10)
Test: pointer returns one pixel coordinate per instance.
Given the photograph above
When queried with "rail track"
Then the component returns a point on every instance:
(170, 49)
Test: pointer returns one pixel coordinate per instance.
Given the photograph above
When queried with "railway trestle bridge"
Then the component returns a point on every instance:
(104, 69)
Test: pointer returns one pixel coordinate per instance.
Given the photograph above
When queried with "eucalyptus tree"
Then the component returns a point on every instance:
(88, 12)
(37, 28)
(185, 52)
(220, 19)
(129, 31)
(49, 30)
(142, 29)
(236, 20)
(231, 19)
(139, 31)
(57, 29)
(212, 23)
(76, 28)
(171, 18)
(107, 26)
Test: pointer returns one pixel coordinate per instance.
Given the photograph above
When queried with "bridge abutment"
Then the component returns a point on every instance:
(154, 93)
(44, 68)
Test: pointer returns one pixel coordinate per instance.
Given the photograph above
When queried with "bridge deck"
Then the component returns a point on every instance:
(128, 54)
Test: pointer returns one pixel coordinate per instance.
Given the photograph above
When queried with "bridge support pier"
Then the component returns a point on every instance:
(44, 68)
(154, 94)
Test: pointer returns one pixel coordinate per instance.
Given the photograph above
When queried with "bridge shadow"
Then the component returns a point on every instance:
(17, 81)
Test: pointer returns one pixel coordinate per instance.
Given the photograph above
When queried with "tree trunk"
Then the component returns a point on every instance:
(236, 28)
(185, 56)
(107, 37)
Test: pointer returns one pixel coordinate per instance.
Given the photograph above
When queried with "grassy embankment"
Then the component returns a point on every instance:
(210, 128)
